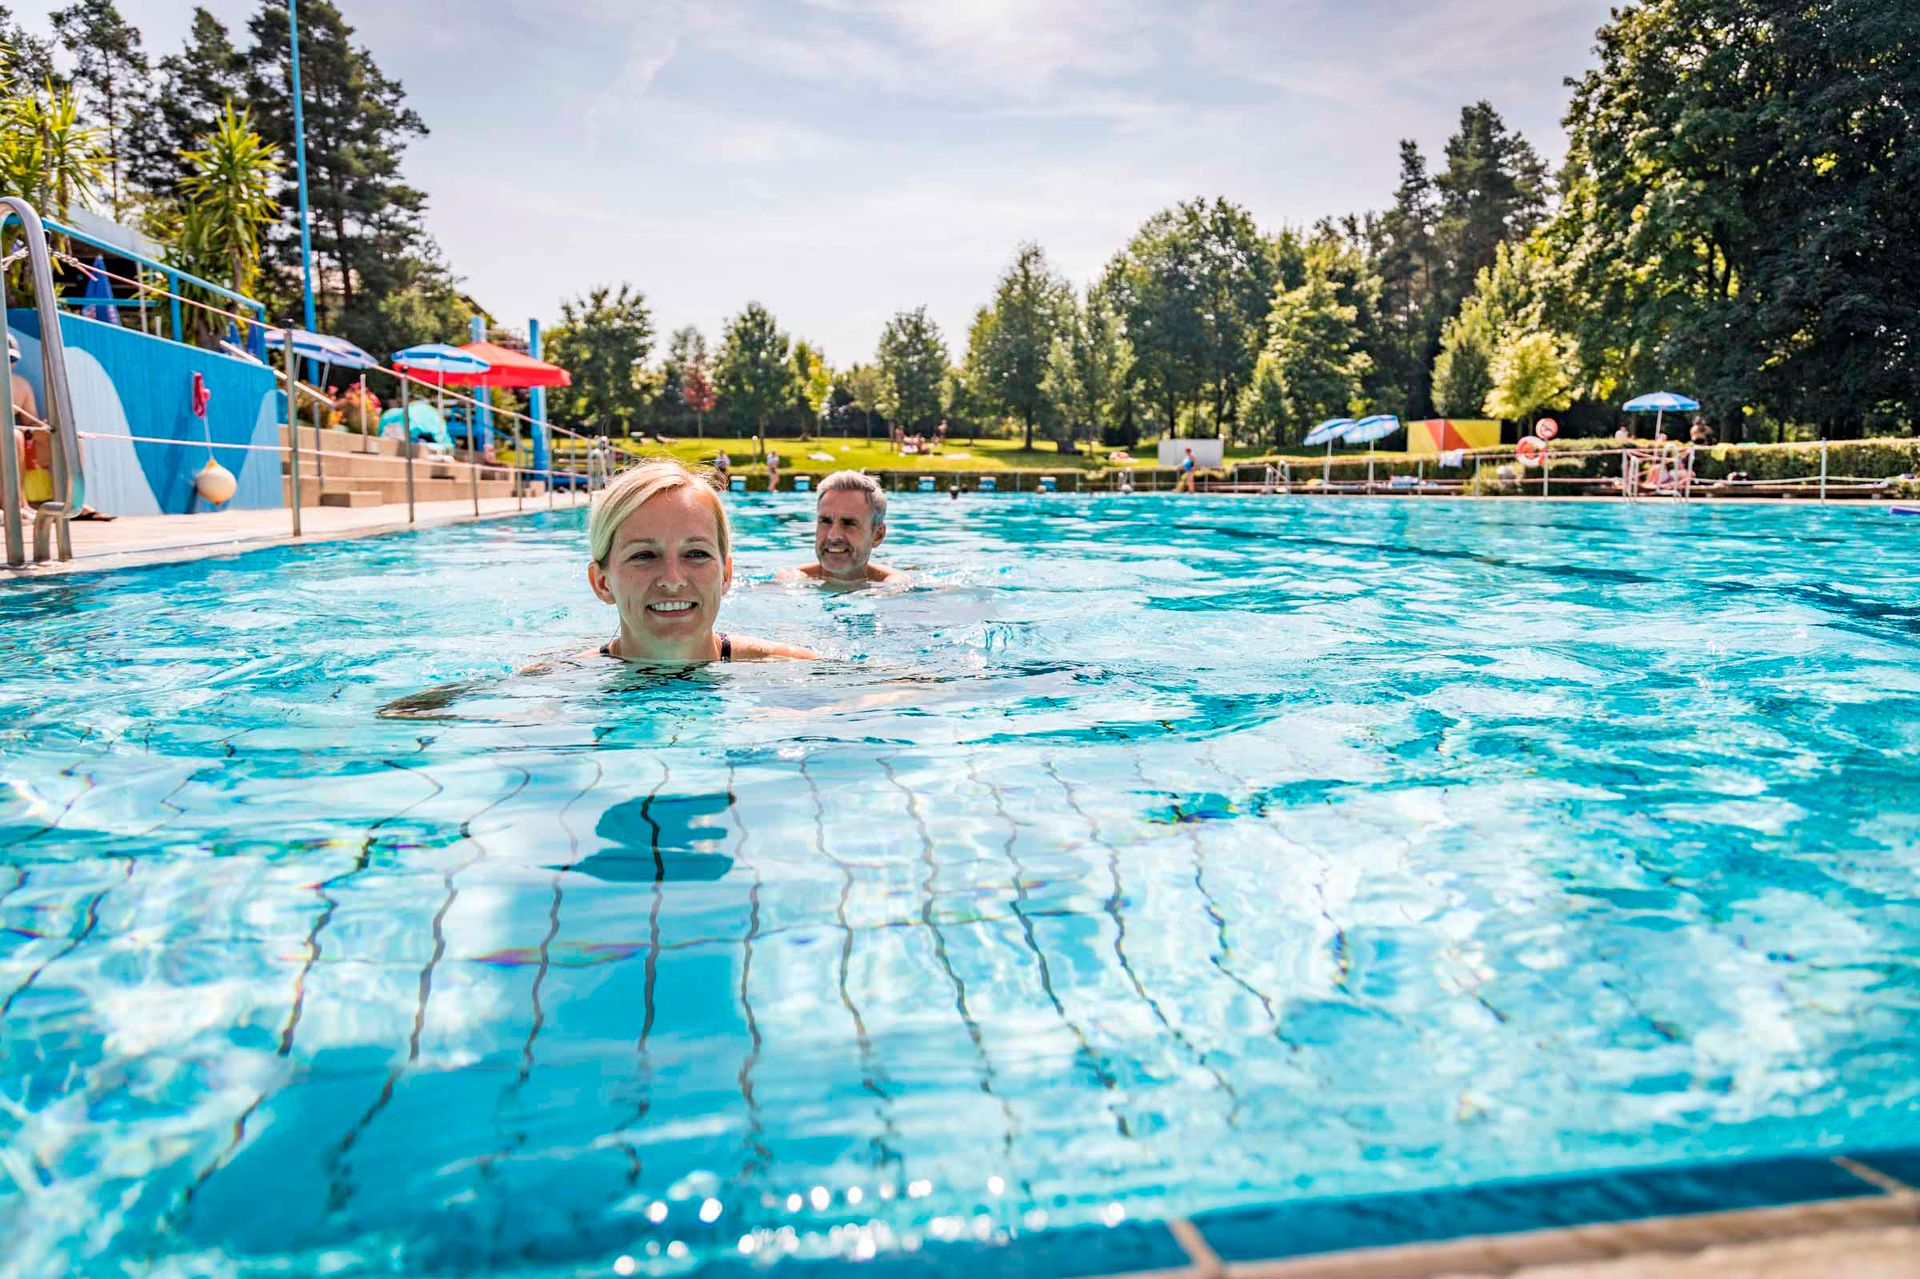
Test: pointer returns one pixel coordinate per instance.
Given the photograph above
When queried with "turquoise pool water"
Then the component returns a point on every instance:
(1150, 856)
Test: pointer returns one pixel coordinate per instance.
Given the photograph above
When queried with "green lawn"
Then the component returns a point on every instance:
(855, 453)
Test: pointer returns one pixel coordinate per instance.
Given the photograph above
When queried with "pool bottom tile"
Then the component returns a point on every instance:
(1315, 1226)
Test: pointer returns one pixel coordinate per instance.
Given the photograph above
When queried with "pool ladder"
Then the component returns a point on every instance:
(51, 535)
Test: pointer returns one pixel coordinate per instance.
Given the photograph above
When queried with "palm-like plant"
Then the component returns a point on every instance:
(228, 191)
(47, 155)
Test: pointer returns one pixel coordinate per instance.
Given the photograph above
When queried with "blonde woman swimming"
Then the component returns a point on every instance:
(661, 553)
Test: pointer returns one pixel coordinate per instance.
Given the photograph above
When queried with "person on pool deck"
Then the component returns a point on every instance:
(19, 424)
(662, 555)
(850, 521)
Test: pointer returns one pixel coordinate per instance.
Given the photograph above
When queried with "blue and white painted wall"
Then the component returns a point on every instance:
(128, 383)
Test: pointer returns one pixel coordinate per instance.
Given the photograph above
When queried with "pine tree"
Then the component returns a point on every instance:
(366, 221)
(1493, 191)
(29, 59)
(1406, 259)
(112, 79)
(194, 87)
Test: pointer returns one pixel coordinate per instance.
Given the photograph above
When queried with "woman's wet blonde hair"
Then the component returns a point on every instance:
(637, 487)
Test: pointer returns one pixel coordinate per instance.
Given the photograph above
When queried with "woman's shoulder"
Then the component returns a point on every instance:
(751, 648)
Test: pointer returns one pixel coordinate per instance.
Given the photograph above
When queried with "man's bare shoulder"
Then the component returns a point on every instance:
(800, 573)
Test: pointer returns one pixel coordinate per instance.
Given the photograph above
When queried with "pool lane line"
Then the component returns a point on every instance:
(761, 1156)
(338, 1192)
(873, 1075)
(1111, 906)
(488, 1164)
(1211, 905)
(929, 892)
(173, 1219)
(92, 911)
(650, 970)
(1091, 1058)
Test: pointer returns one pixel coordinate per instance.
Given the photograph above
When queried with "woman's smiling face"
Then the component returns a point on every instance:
(666, 576)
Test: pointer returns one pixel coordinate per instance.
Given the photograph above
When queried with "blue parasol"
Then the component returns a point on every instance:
(436, 361)
(321, 349)
(1661, 403)
(1326, 433)
(99, 291)
(1369, 429)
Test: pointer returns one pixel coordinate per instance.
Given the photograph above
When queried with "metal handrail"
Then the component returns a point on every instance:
(69, 473)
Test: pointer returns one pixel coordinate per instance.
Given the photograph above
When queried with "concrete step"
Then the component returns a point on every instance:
(350, 497)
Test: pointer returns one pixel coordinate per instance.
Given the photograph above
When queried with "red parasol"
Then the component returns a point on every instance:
(507, 369)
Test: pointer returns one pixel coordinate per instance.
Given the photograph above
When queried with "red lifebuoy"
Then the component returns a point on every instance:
(1530, 450)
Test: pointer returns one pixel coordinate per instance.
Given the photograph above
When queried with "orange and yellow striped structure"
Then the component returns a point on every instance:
(1441, 434)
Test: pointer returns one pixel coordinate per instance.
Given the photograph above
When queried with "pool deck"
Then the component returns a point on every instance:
(1791, 1217)
(135, 540)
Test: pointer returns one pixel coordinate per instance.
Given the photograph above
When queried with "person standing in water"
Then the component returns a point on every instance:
(660, 551)
(850, 521)
(1185, 484)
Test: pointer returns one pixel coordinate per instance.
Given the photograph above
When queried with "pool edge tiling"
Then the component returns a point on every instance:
(1487, 1227)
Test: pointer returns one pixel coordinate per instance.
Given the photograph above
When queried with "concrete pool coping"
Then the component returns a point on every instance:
(134, 541)
(1784, 1217)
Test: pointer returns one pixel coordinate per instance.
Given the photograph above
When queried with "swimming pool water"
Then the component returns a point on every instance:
(1147, 856)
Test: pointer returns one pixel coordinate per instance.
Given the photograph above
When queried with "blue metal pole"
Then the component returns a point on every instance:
(300, 170)
(537, 410)
(477, 332)
(173, 306)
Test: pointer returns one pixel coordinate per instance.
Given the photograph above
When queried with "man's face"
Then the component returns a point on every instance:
(844, 533)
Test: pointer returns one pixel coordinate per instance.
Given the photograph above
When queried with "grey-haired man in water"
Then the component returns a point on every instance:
(849, 522)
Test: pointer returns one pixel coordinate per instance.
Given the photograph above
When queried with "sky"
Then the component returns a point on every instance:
(842, 160)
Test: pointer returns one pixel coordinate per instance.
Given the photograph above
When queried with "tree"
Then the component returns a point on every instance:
(603, 340)
(47, 155)
(862, 387)
(1312, 366)
(812, 383)
(753, 374)
(29, 58)
(366, 221)
(1738, 217)
(696, 391)
(1493, 191)
(229, 192)
(1531, 372)
(1508, 300)
(1405, 258)
(193, 87)
(226, 204)
(913, 368)
(1031, 306)
(1463, 371)
(1193, 286)
(110, 75)
(686, 345)
(1090, 369)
